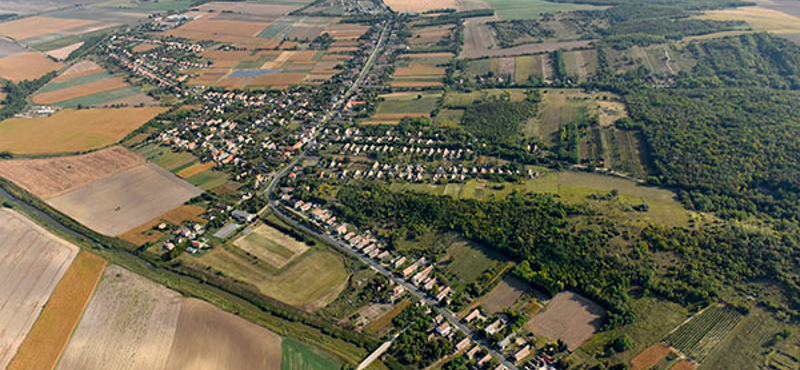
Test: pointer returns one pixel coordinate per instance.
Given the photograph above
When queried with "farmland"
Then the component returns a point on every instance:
(26, 66)
(309, 282)
(420, 6)
(129, 323)
(760, 18)
(49, 335)
(271, 246)
(299, 356)
(126, 200)
(87, 84)
(530, 9)
(208, 338)
(69, 131)
(479, 41)
(420, 70)
(569, 317)
(50, 177)
(505, 295)
(395, 106)
(701, 335)
(32, 262)
(650, 357)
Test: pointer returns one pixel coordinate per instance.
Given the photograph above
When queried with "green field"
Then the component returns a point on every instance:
(165, 158)
(209, 179)
(465, 99)
(160, 5)
(449, 117)
(408, 103)
(467, 261)
(531, 9)
(654, 319)
(100, 98)
(53, 86)
(269, 245)
(299, 356)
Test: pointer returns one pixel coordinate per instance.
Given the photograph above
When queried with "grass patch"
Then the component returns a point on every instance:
(299, 356)
(467, 261)
(208, 180)
(99, 98)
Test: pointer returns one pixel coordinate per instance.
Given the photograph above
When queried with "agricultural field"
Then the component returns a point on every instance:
(70, 131)
(146, 232)
(126, 200)
(419, 6)
(26, 66)
(700, 336)
(428, 37)
(32, 31)
(395, 106)
(510, 292)
(25, 7)
(51, 177)
(209, 338)
(309, 282)
(32, 262)
(479, 40)
(654, 319)
(532, 9)
(425, 70)
(299, 356)
(661, 60)
(462, 100)
(650, 357)
(569, 317)
(87, 84)
(760, 18)
(49, 335)
(271, 246)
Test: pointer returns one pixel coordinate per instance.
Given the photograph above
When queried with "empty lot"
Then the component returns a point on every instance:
(32, 262)
(121, 202)
(569, 317)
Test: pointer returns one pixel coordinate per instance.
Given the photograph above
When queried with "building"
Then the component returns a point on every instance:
(522, 354)
(242, 216)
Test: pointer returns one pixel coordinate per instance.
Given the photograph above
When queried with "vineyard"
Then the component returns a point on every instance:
(698, 337)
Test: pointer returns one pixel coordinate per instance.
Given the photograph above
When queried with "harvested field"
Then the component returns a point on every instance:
(46, 340)
(221, 30)
(650, 357)
(420, 6)
(569, 317)
(267, 11)
(271, 245)
(82, 68)
(195, 169)
(208, 338)
(128, 199)
(50, 177)
(145, 233)
(39, 25)
(9, 48)
(96, 87)
(63, 53)
(141, 48)
(129, 324)
(760, 18)
(69, 131)
(504, 295)
(32, 262)
(26, 66)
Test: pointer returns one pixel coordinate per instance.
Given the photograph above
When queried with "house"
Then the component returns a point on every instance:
(444, 293)
(522, 354)
(397, 291)
(409, 270)
(242, 216)
(485, 359)
(349, 235)
(495, 327)
(472, 352)
(341, 229)
(443, 329)
(463, 344)
(399, 262)
(420, 276)
(501, 367)
(475, 314)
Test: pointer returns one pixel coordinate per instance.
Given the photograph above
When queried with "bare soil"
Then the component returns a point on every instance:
(569, 317)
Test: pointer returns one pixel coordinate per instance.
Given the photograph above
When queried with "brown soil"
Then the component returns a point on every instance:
(569, 317)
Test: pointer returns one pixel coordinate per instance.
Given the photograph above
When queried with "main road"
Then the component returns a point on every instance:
(275, 206)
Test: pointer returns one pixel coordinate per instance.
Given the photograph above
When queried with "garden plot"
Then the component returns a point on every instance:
(32, 262)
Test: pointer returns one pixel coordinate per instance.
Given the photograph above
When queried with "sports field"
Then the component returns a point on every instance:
(70, 131)
(271, 246)
(32, 262)
(126, 200)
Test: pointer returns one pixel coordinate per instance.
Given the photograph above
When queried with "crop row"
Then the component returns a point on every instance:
(700, 335)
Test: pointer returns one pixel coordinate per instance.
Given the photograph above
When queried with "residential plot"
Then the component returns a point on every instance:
(70, 131)
(569, 317)
(209, 338)
(32, 262)
(146, 232)
(271, 245)
(130, 323)
(126, 200)
(50, 177)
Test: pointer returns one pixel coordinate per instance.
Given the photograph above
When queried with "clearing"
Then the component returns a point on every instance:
(32, 262)
(569, 317)
(126, 200)
(70, 131)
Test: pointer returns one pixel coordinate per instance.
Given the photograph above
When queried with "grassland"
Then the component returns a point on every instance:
(271, 246)
(70, 131)
(48, 336)
(654, 319)
(466, 262)
(299, 356)
(462, 100)
(32, 262)
(531, 9)
(309, 282)
(396, 106)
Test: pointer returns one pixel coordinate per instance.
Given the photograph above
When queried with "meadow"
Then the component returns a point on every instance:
(299, 356)
(396, 106)
(531, 9)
